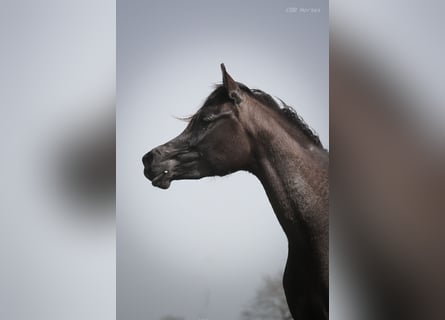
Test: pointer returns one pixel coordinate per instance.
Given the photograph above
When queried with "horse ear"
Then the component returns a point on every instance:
(231, 85)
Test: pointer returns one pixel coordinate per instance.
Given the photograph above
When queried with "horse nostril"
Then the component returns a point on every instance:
(147, 159)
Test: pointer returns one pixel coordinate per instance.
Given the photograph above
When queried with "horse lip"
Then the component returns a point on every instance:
(161, 180)
(157, 177)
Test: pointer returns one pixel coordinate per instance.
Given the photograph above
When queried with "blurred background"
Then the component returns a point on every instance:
(202, 249)
(387, 160)
(57, 132)
(57, 137)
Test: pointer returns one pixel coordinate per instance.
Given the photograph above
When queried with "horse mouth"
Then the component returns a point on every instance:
(161, 180)
(171, 170)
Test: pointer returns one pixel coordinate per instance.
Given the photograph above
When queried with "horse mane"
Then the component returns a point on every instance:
(219, 95)
(289, 113)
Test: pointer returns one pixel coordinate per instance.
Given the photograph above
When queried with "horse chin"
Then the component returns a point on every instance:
(163, 184)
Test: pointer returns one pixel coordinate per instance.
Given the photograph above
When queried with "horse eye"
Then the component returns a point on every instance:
(204, 123)
(209, 118)
(212, 117)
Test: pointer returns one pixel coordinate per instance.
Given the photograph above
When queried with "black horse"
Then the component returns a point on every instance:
(239, 128)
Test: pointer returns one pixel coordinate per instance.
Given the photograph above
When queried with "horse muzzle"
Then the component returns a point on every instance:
(160, 173)
(165, 164)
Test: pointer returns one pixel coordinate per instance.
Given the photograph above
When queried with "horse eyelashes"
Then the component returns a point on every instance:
(212, 117)
(209, 118)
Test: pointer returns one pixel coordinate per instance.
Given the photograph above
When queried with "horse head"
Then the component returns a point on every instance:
(214, 143)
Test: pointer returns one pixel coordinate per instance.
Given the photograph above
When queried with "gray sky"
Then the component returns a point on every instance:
(201, 248)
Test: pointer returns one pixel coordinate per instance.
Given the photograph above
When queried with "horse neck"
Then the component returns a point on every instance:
(294, 174)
